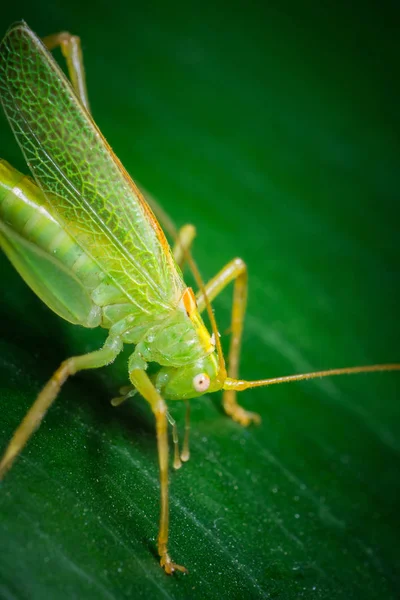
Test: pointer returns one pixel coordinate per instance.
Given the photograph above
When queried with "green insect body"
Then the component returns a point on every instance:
(70, 282)
(125, 280)
(85, 240)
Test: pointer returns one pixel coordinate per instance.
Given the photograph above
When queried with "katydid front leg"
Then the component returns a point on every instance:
(142, 383)
(49, 393)
(236, 271)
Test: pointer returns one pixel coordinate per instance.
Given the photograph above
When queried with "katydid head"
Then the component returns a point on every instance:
(192, 380)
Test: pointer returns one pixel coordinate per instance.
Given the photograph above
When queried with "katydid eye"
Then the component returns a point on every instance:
(201, 382)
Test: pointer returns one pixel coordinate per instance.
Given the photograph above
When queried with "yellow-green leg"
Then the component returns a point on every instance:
(49, 393)
(70, 46)
(145, 387)
(183, 243)
(235, 271)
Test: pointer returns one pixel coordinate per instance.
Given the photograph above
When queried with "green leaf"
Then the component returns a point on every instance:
(276, 134)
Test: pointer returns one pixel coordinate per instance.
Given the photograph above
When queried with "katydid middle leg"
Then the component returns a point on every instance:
(49, 393)
(236, 271)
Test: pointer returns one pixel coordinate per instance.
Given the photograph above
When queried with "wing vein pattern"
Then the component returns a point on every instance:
(84, 182)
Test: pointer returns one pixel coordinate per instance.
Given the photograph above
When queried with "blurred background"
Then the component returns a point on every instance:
(274, 128)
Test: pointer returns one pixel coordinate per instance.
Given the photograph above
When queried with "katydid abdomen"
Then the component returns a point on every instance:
(58, 270)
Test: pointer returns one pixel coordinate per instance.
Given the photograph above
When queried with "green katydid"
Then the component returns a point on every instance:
(86, 241)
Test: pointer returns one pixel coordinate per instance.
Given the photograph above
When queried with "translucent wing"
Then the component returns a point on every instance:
(95, 198)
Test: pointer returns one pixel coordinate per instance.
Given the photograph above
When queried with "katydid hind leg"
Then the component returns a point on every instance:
(49, 393)
(236, 271)
(143, 384)
(71, 49)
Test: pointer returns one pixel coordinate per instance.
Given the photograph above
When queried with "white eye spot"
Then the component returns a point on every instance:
(201, 382)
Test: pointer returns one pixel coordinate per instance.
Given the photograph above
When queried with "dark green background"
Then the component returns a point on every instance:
(275, 130)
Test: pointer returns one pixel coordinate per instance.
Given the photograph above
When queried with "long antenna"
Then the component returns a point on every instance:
(239, 385)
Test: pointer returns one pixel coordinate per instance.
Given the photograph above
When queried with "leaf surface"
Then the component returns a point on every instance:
(276, 134)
